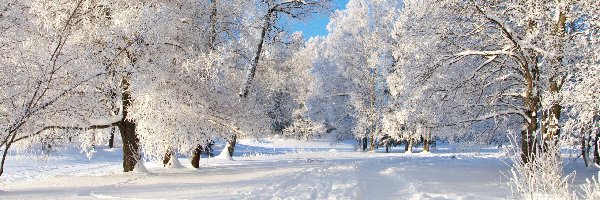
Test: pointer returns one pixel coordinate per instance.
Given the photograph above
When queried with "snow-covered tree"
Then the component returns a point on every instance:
(50, 77)
(269, 12)
(328, 100)
(357, 53)
(524, 46)
(580, 93)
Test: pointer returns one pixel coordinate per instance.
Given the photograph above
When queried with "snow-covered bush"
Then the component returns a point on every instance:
(540, 177)
(303, 128)
(591, 189)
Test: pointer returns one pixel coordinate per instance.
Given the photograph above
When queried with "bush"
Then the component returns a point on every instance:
(542, 176)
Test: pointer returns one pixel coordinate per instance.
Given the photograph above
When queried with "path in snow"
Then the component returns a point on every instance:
(267, 170)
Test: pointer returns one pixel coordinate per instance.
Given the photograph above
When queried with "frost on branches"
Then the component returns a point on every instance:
(165, 74)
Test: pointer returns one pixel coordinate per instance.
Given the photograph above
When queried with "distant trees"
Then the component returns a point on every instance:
(357, 56)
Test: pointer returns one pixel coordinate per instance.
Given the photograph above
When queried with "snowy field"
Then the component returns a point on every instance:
(271, 169)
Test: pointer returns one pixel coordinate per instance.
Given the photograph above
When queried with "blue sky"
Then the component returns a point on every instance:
(317, 24)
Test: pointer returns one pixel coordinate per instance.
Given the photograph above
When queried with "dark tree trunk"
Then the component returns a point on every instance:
(131, 153)
(531, 100)
(426, 144)
(6, 148)
(130, 145)
(231, 144)
(584, 144)
(213, 25)
(550, 128)
(4, 153)
(252, 71)
(528, 141)
(406, 146)
(196, 157)
(364, 143)
(208, 149)
(372, 140)
(596, 153)
(111, 140)
(167, 158)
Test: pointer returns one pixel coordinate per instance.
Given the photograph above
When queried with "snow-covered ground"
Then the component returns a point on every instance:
(270, 169)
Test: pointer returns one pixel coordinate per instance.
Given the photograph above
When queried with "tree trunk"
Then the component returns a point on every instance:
(596, 153)
(372, 141)
(405, 146)
(130, 145)
(427, 139)
(410, 146)
(584, 144)
(196, 157)
(252, 71)
(387, 147)
(167, 158)
(550, 118)
(213, 25)
(6, 148)
(4, 158)
(528, 146)
(528, 140)
(111, 140)
(231, 144)
(373, 104)
(364, 143)
(131, 154)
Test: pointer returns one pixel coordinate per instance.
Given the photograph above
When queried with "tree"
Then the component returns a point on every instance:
(362, 29)
(534, 53)
(274, 10)
(49, 77)
(580, 94)
(327, 98)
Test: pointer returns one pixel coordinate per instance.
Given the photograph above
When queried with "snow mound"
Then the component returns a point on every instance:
(174, 163)
(420, 196)
(224, 155)
(390, 171)
(140, 168)
(342, 168)
(423, 196)
(333, 151)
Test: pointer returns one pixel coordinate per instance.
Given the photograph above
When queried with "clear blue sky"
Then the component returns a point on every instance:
(317, 24)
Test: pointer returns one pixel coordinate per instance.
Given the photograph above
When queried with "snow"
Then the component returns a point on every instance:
(174, 163)
(224, 155)
(105, 121)
(270, 169)
(140, 168)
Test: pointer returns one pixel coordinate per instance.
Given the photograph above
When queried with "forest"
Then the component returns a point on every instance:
(151, 81)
